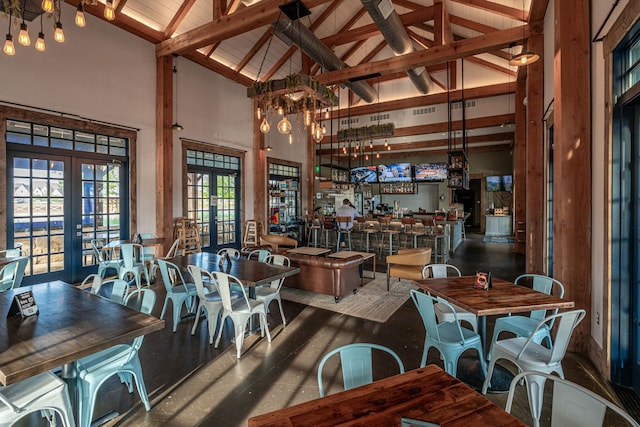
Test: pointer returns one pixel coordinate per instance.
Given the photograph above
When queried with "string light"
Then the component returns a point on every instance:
(80, 19)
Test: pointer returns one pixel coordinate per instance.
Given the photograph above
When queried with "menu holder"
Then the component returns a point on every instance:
(483, 281)
(23, 304)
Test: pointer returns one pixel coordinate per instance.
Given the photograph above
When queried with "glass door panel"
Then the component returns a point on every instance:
(199, 204)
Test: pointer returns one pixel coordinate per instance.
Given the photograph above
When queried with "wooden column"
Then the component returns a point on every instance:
(535, 190)
(572, 159)
(520, 167)
(164, 148)
(260, 174)
(312, 146)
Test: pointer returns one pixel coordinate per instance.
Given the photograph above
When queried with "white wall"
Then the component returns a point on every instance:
(103, 73)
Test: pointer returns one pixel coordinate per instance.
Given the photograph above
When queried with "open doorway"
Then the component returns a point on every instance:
(470, 199)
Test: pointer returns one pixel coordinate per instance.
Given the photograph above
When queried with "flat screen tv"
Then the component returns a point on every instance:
(426, 172)
(395, 172)
(507, 183)
(364, 174)
(494, 183)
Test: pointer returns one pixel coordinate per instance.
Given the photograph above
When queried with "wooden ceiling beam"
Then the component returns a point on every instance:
(425, 145)
(435, 55)
(217, 67)
(177, 19)
(232, 7)
(256, 47)
(120, 6)
(496, 8)
(431, 99)
(244, 20)
(472, 25)
(491, 65)
(280, 62)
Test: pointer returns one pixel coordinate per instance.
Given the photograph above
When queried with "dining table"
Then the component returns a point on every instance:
(250, 272)
(421, 397)
(502, 298)
(70, 324)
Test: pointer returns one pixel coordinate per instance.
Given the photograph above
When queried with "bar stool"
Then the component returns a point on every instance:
(385, 227)
(410, 230)
(313, 228)
(342, 224)
(327, 227)
(369, 228)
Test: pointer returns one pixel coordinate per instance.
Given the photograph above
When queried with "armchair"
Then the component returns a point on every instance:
(276, 240)
(408, 263)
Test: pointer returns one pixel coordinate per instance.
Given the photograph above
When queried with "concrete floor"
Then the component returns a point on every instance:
(190, 383)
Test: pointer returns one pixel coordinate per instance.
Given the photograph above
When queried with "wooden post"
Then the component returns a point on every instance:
(572, 160)
(520, 168)
(535, 191)
(164, 149)
(260, 175)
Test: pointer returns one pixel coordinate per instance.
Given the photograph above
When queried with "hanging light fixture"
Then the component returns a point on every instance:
(284, 125)
(23, 36)
(40, 46)
(48, 6)
(176, 125)
(265, 127)
(268, 148)
(58, 34)
(9, 48)
(525, 57)
(80, 19)
(109, 11)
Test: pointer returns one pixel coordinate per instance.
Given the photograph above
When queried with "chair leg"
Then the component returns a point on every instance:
(195, 322)
(284, 321)
(487, 379)
(239, 334)
(535, 392)
(220, 331)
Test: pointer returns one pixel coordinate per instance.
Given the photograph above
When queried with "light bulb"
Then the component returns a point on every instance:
(264, 126)
(377, 155)
(388, 148)
(386, 143)
(40, 43)
(58, 34)
(307, 118)
(326, 114)
(23, 36)
(284, 126)
(80, 20)
(258, 113)
(366, 157)
(280, 111)
(324, 130)
(109, 11)
(290, 139)
(9, 48)
(48, 6)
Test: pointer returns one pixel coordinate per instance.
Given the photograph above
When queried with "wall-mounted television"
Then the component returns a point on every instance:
(426, 172)
(395, 172)
(507, 183)
(494, 183)
(364, 174)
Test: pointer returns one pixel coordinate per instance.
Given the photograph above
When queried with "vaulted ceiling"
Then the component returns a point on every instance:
(235, 38)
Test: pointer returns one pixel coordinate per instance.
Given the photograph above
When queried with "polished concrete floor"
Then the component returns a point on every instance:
(191, 383)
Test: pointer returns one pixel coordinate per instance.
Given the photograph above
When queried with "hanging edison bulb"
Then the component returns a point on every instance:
(58, 34)
(48, 6)
(307, 118)
(371, 145)
(386, 143)
(280, 110)
(9, 48)
(388, 148)
(265, 127)
(258, 113)
(290, 138)
(80, 19)
(366, 157)
(326, 114)
(40, 46)
(317, 133)
(23, 36)
(377, 155)
(109, 11)
(284, 126)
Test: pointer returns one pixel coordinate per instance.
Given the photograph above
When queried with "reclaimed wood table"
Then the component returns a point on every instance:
(251, 273)
(308, 250)
(70, 325)
(502, 298)
(426, 394)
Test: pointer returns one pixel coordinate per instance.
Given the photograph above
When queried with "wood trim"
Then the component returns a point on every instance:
(626, 20)
(496, 8)
(71, 123)
(177, 19)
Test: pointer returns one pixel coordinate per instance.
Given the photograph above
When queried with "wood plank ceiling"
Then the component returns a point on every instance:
(235, 39)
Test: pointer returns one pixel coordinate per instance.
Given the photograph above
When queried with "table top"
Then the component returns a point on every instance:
(428, 394)
(504, 297)
(347, 254)
(250, 272)
(71, 324)
(152, 241)
(308, 250)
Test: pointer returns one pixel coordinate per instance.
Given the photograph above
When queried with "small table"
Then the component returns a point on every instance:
(428, 394)
(308, 250)
(71, 324)
(503, 298)
(365, 256)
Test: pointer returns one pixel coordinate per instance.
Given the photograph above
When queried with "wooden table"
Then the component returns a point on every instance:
(308, 250)
(251, 273)
(71, 324)
(427, 394)
(503, 298)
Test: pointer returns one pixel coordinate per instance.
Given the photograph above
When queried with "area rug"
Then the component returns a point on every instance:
(371, 302)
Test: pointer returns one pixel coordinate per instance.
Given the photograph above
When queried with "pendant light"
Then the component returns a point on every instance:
(58, 34)
(109, 11)
(8, 47)
(176, 125)
(48, 6)
(40, 46)
(525, 57)
(23, 36)
(284, 125)
(80, 19)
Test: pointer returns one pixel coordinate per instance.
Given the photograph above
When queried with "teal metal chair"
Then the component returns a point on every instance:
(133, 263)
(449, 338)
(573, 405)
(356, 362)
(233, 253)
(523, 326)
(12, 273)
(102, 258)
(210, 303)
(258, 255)
(271, 292)
(179, 292)
(122, 359)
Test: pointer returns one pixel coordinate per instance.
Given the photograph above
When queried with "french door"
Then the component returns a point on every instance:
(56, 205)
(213, 199)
